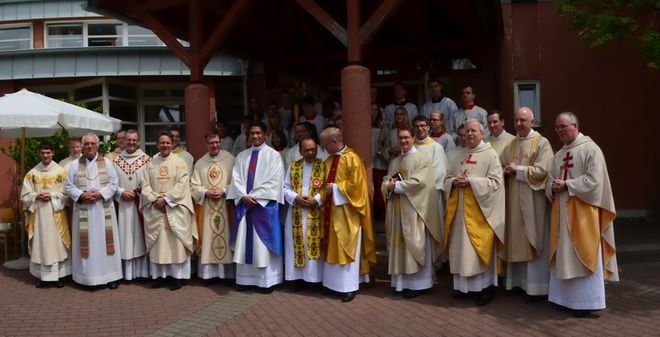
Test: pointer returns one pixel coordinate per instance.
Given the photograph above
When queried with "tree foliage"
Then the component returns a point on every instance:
(600, 22)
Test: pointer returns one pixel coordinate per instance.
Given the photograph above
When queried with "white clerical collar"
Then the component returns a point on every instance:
(528, 135)
(412, 150)
(422, 140)
(259, 148)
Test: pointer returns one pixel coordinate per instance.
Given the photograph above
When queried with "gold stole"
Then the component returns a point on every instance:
(533, 153)
(313, 214)
(83, 221)
(60, 217)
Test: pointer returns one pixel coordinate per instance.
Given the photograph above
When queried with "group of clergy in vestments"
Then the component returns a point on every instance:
(542, 221)
(165, 211)
(459, 210)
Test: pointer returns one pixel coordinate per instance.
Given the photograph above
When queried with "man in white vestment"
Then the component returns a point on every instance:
(179, 150)
(226, 143)
(75, 151)
(120, 137)
(498, 138)
(439, 131)
(436, 155)
(526, 161)
(438, 101)
(469, 110)
(582, 251)
(348, 239)
(474, 222)
(169, 224)
(91, 183)
(209, 183)
(303, 189)
(49, 238)
(129, 165)
(400, 100)
(310, 115)
(256, 235)
(412, 222)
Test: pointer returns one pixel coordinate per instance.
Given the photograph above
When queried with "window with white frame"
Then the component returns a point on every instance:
(98, 34)
(528, 93)
(15, 38)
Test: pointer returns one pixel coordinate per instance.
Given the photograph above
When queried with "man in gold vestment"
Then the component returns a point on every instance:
(348, 238)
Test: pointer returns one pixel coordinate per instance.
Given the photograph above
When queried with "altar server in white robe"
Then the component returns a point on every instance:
(49, 237)
(91, 183)
(256, 234)
(303, 186)
(129, 165)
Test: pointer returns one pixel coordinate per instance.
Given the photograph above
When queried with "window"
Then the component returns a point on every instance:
(139, 36)
(64, 35)
(528, 93)
(15, 38)
(104, 34)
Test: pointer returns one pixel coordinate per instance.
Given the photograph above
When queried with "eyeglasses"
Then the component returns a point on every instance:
(563, 126)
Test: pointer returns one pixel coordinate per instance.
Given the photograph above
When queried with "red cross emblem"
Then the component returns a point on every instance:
(567, 164)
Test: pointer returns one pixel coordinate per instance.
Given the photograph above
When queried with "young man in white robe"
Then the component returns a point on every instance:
(526, 162)
(256, 234)
(412, 223)
(303, 189)
(169, 224)
(226, 143)
(91, 184)
(439, 131)
(129, 165)
(582, 250)
(469, 110)
(399, 90)
(179, 150)
(436, 155)
(209, 183)
(498, 138)
(49, 238)
(474, 223)
(310, 115)
(438, 101)
(75, 151)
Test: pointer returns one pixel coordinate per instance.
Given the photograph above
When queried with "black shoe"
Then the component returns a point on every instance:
(240, 287)
(459, 294)
(347, 297)
(176, 284)
(158, 283)
(59, 284)
(40, 284)
(412, 293)
(113, 285)
(398, 292)
(266, 291)
(485, 296)
(535, 298)
(581, 313)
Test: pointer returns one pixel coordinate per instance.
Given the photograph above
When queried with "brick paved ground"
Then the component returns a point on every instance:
(217, 310)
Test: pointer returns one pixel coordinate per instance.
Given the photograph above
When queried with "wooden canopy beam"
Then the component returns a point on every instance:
(325, 20)
(377, 19)
(221, 30)
(157, 5)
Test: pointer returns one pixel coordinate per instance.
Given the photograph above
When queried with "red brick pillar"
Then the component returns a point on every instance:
(199, 114)
(355, 101)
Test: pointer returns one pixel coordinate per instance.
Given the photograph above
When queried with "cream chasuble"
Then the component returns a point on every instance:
(474, 223)
(411, 213)
(213, 220)
(500, 142)
(49, 238)
(586, 210)
(170, 236)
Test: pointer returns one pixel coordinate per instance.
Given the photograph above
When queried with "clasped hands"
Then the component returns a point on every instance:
(461, 182)
(214, 193)
(91, 196)
(558, 185)
(44, 196)
(306, 202)
(510, 169)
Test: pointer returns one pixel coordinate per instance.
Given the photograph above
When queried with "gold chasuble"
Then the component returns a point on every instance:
(170, 237)
(526, 203)
(212, 218)
(478, 209)
(49, 237)
(345, 221)
(313, 214)
(410, 214)
(587, 214)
